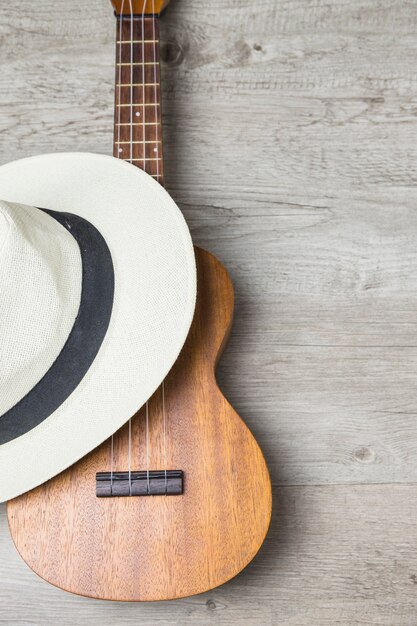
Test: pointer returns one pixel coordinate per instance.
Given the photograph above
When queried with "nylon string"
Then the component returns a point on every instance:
(131, 80)
(155, 76)
(144, 167)
(143, 85)
(155, 80)
(131, 160)
(157, 151)
(119, 150)
(118, 156)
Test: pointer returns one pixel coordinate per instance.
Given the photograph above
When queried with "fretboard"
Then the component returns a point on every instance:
(138, 116)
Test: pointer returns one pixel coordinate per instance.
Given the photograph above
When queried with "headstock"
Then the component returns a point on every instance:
(139, 7)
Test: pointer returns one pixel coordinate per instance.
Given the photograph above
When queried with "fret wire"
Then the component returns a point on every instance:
(137, 63)
(123, 143)
(147, 159)
(140, 41)
(128, 160)
(139, 124)
(138, 85)
(146, 104)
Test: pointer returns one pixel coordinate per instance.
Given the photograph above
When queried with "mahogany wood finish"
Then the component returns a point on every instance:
(160, 547)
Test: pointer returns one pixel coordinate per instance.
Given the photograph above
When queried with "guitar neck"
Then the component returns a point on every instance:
(138, 115)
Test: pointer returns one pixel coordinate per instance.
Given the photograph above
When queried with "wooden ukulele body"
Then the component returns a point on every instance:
(159, 547)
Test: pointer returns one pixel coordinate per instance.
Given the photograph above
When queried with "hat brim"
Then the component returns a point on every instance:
(154, 302)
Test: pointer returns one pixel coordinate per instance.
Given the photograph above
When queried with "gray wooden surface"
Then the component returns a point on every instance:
(291, 146)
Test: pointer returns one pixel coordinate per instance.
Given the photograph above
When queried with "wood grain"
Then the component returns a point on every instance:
(291, 144)
(335, 555)
(159, 548)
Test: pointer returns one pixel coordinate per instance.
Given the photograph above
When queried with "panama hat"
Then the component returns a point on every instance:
(97, 294)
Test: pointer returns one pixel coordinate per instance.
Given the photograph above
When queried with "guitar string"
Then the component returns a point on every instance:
(165, 436)
(143, 84)
(157, 150)
(131, 80)
(131, 161)
(148, 485)
(155, 77)
(118, 156)
(130, 457)
(144, 162)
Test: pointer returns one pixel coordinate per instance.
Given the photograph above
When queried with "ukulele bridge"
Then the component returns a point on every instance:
(143, 483)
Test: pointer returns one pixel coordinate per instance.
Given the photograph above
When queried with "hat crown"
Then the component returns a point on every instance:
(40, 287)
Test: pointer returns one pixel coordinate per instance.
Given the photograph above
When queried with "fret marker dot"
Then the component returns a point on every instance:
(120, 150)
(137, 114)
(155, 149)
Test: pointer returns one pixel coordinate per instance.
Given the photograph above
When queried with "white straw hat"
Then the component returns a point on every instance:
(97, 294)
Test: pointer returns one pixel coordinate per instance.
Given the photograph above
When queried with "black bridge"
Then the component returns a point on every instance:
(152, 483)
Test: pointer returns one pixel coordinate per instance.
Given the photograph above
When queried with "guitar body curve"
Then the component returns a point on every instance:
(159, 547)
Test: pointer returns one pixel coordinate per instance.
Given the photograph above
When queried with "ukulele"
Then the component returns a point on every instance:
(179, 500)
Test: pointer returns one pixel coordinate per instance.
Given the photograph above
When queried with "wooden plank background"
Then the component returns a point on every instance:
(291, 146)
